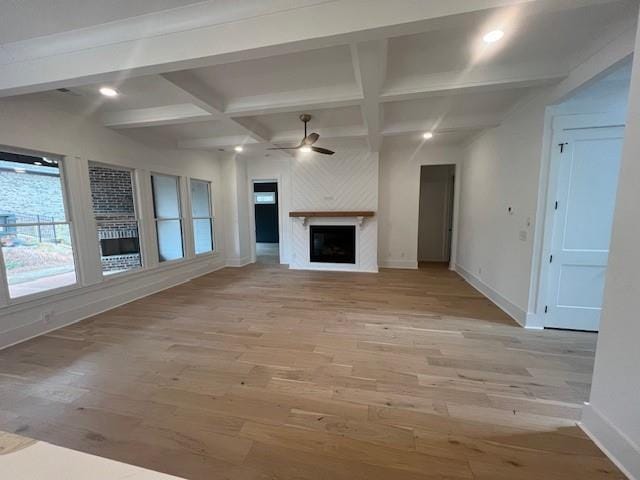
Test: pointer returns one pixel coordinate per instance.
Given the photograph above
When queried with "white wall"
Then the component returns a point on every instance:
(42, 123)
(238, 251)
(347, 180)
(507, 167)
(400, 164)
(602, 102)
(613, 414)
(500, 172)
(279, 169)
(354, 179)
(605, 96)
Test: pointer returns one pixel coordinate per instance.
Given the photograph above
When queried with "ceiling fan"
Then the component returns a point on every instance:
(306, 144)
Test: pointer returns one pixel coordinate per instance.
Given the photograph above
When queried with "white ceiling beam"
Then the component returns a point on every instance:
(475, 80)
(448, 125)
(155, 116)
(294, 136)
(216, 142)
(291, 137)
(370, 69)
(165, 42)
(202, 96)
(199, 93)
(255, 129)
(296, 101)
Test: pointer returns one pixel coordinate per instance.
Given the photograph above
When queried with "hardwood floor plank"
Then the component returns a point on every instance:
(354, 450)
(264, 372)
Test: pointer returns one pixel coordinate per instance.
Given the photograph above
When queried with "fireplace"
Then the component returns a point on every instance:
(332, 244)
(119, 246)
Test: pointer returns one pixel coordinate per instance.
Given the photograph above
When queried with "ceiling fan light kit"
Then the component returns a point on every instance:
(306, 145)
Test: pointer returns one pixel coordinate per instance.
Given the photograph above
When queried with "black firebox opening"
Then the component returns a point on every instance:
(119, 246)
(332, 243)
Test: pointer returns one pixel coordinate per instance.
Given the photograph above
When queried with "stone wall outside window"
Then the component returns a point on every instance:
(114, 208)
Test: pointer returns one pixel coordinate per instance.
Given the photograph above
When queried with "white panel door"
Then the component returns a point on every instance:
(586, 192)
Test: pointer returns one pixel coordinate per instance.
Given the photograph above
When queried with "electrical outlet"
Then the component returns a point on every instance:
(47, 316)
(523, 235)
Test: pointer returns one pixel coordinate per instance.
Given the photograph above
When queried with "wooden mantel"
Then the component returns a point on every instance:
(305, 216)
(332, 213)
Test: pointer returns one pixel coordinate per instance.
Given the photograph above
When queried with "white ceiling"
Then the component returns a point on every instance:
(22, 19)
(397, 83)
(191, 130)
(138, 92)
(329, 118)
(546, 38)
(311, 69)
(431, 111)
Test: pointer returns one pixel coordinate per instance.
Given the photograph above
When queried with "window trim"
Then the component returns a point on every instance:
(180, 219)
(5, 296)
(137, 218)
(211, 217)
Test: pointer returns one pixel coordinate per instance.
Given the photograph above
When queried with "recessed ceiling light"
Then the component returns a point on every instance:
(427, 135)
(238, 148)
(305, 149)
(493, 36)
(109, 92)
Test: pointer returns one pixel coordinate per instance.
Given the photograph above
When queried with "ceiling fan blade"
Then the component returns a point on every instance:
(311, 139)
(322, 150)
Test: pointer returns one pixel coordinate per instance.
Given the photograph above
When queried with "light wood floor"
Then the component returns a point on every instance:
(267, 373)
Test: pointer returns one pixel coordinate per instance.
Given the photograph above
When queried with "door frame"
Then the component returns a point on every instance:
(457, 173)
(252, 216)
(449, 213)
(559, 124)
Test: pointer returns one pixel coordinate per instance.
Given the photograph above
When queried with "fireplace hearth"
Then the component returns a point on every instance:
(332, 244)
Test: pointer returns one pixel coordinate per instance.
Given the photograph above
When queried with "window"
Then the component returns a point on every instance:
(202, 217)
(35, 232)
(114, 208)
(168, 217)
(264, 198)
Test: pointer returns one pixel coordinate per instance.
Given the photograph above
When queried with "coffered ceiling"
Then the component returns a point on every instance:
(398, 80)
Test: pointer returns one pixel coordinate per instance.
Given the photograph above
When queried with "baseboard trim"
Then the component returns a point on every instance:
(112, 295)
(620, 449)
(501, 302)
(405, 264)
(238, 262)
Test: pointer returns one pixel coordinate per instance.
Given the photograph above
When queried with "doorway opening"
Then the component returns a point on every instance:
(435, 217)
(265, 201)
